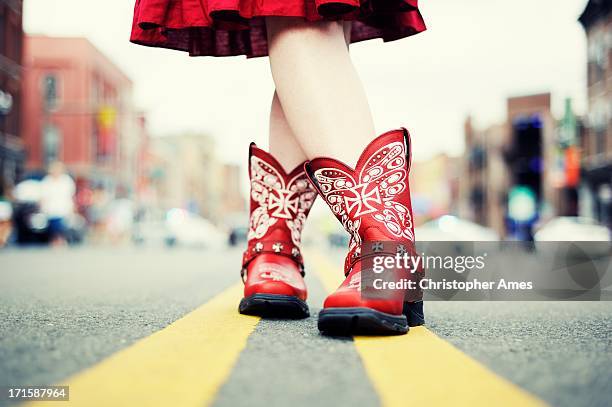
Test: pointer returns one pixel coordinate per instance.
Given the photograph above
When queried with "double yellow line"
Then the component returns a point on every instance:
(186, 363)
(421, 369)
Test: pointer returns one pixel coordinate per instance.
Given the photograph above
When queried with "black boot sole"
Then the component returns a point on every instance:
(414, 313)
(274, 306)
(360, 321)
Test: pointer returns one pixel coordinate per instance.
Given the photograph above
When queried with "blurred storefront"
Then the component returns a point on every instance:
(78, 109)
(507, 180)
(484, 178)
(596, 140)
(12, 154)
(185, 172)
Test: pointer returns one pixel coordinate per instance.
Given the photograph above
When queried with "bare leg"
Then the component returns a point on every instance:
(283, 144)
(320, 92)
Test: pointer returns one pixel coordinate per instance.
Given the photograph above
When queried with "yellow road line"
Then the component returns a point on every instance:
(184, 364)
(420, 368)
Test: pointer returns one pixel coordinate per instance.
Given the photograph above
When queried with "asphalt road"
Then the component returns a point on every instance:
(63, 311)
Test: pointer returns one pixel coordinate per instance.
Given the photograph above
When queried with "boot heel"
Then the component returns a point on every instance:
(414, 313)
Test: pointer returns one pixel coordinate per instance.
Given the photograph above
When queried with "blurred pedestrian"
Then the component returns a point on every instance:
(320, 119)
(57, 201)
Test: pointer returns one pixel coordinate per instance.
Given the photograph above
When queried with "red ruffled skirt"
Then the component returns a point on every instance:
(237, 27)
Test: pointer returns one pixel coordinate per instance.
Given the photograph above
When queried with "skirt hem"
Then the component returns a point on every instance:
(224, 31)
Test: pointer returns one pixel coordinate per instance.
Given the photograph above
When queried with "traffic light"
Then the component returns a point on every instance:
(526, 158)
(526, 165)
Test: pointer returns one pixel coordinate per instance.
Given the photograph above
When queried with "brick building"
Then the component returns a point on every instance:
(11, 143)
(596, 140)
(78, 110)
(484, 180)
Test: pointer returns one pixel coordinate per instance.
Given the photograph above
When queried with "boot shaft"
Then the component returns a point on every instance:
(372, 200)
(279, 201)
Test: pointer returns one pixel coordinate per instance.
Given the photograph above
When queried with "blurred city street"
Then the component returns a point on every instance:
(127, 200)
(64, 311)
(503, 138)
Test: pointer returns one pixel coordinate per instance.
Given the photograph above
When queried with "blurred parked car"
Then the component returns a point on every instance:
(191, 230)
(31, 226)
(453, 235)
(585, 235)
(179, 228)
(450, 228)
(152, 233)
(238, 235)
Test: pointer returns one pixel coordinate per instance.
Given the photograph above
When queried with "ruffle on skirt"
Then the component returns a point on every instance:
(237, 27)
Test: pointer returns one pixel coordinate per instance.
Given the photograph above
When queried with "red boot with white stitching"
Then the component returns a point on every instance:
(372, 201)
(272, 265)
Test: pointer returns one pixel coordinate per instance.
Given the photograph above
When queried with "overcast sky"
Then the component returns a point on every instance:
(474, 55)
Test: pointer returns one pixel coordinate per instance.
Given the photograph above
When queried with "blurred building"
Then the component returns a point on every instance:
(12, 154)
(596, 141)
(136, 159)
(434, 185)
(186, 173)
(507, 178)
(77, 108)
(233, 203)
(484, 176)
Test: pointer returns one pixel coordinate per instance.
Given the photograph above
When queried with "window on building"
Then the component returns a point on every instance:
(51, 91)
(600, 140)
(598, 120)
(96, 92)
(598, 57)
(478, 158)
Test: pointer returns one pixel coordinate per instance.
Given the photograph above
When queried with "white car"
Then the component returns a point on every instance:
(178, 228)
(585, 234)
(572, 229)
(455, 235)
(450, 228)
(189, 230)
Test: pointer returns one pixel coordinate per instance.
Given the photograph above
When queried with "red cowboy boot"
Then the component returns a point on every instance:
(272, 265)
(373, 204)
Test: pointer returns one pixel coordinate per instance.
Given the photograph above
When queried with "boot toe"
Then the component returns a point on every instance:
(354, 299)
(275, 288)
